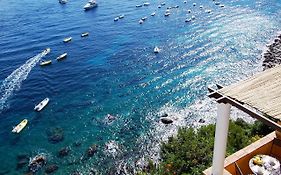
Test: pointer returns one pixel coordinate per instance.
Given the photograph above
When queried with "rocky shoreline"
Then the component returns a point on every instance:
(272, 56)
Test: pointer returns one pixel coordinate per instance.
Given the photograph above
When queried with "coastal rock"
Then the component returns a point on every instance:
(165, 115)
(64, 152)
(166, 120)
(51, 168)
(91, 150)
(55, 135)
(272, 56)
(75, 173)
(37, 162)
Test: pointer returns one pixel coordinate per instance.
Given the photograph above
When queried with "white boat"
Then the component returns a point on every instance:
(41, 105)
(144, 18)
(116, 19)
(201, 6)
(193, 17)
(62, 56)
(140, 5)
(45, 62)
(141, 21)
(185, 2)
(188, 20)
(121, 16)
(91, 4)
(221, 5)
(208, 11)
(163, 3)
(167, 14)
(20, 126)
(189, 11)
(47, 50)
(169, 7)
(85, 34)
(156, 50)
(146, 4)
(194, 4)
(159, 6)
(62, 1)
(176, 6)
(153, 14)
(66, 40)
(217, 3)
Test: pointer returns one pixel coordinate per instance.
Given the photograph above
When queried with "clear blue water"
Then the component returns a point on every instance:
(114, 71)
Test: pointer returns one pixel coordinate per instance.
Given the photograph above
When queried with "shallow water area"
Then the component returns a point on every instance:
(115, 71)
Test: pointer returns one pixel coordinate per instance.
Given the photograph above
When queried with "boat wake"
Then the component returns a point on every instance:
(14, 80)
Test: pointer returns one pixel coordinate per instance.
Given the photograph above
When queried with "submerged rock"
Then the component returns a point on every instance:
(55, 135)
(22, 161)
(166, 120)
(91, 150)
(51, 168)
(77, 143)
(64, 152)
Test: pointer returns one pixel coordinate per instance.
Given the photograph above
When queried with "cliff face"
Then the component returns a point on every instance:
(272, 56)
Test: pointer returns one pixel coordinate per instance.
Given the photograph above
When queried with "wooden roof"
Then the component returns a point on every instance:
(262, 91)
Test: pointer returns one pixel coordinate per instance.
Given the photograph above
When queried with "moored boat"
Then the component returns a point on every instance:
(146, 4)
(47, 50)
(140, 5)
(20, 126)
(121, 16)
(116, 19)
(163, 3)
(62, 1)
(153, 14)
(62, 56)
(42, 104)
(167, 14)
(188, 20)
(141, 21)
(85, 34)
(45, 62)
(144, 18)
(91, 4)
(66, 40)
(156, 50)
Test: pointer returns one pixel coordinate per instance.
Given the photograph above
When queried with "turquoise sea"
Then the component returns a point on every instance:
(114, 71)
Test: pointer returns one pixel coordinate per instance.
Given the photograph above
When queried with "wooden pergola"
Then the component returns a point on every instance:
(258, 96)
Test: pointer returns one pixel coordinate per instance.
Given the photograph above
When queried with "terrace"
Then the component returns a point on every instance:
(260, 97)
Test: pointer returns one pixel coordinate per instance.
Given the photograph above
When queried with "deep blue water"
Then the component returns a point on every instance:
(114, 71)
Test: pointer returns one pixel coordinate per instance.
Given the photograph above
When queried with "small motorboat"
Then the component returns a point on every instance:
(169, 7)
(185, 2)
(144, 18)
(153, 14)
(194, 4)
(91, 4)
(41, 105)
(176, 6)
(188, 11)
(85, 34)
(188, 20)
(221, 5)
(140, 5)
(167, 14)
(141, 21)
(66, 40)
(121, 16)
(20, 126)
(201, 6)
(146, 4)
(163, 3)
(62, 1)
(192, 17)
(62, 56)
(217, 3)
(47, 50)
(45, 62)
(116, 19)
(208, 11)
(156, 49)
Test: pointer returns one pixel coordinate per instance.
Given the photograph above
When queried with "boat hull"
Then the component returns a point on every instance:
(20, 126)
(41, 105)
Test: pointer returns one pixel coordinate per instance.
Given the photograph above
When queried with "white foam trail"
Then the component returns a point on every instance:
(14, 80)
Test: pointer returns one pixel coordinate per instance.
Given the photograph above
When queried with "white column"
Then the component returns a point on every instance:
(223, 115)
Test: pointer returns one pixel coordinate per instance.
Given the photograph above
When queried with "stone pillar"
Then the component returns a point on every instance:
(223, 115)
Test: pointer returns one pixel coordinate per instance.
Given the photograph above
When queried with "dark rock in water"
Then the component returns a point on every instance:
(272, 56)
(201, 120)
(91, 150)
(23, 160)
(55, 135)
(37, 162)
(51, 168)
(164, 115)
(166, 120)
(4, 172)
(64, 152)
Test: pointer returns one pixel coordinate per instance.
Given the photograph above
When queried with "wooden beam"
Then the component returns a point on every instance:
(252, 113)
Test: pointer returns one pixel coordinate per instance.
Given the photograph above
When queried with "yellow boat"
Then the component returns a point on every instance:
(20, 126)
(44, 63)
(66, 40)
